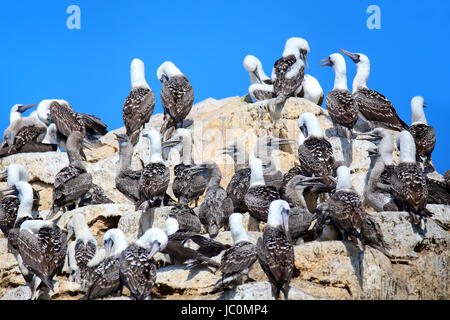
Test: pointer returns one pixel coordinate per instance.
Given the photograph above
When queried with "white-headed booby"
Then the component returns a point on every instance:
(372, 105)
(137, 267)
(275, 251)
(177, 96)
(377, 191)
(347, 213)
(127, 180)
(261, 87)
(339, 101)
(240, 181)
(408, 182)
(155, 176)
(311, 90)
(238, 259)
(188, 185)
(190, 246)
(140, 102)
(423, 134)
(85, 249)
(259, 196)
(105, 278)
(10, 203)
(42, 247)
(71, 182)
(217, 205)
(315, 153)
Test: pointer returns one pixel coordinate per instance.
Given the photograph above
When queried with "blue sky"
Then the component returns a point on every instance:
(41, 58)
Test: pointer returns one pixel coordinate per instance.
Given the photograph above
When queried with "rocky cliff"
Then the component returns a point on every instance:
(323, 270)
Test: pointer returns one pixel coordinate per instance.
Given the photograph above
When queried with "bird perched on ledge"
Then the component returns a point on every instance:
(177, 97)
(139, 104)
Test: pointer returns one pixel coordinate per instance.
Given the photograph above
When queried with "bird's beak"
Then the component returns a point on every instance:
(69, 233)
(3, 175)
(197, 169)
(119, 137)
(22, 109)
(155, 248)
(352, 56)
(8, 191)
(369, 137)
(333, 179)
(283, 142)
(87, 145)
(108, 247)
(372, 151)
(325, 62)
(3, 143)
(170, 143)
(425, 104)
(304, 56)
(285, 218)
(257, 75)
(307, 181)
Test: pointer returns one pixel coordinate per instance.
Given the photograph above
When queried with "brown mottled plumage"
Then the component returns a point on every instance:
(137, 110)
(43, 252)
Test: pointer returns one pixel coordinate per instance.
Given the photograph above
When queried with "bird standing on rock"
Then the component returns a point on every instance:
(139, 104)
(155, 176)
(177, 97)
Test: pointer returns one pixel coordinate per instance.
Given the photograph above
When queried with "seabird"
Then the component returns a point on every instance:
(240, 181)
(275, 251)
(377, 191)
(423, 134)
(137, 267)
(265, 145)
(127, 180)
(155, 176)
(238, 259)
(190, 246)
(60, 113)
(73, 181)
(315, 153)
(85, 249)
(300, 219)
(288, 72)
(95, 195)
(254, 67)
(372, 105)
(348, 215)
(188, 185)
(24, 134)
(10, 203)
(140, 102)
(259, 196)
(311, 90)
(105, 278)
(261, 86)
(340, 105)
(23, 192)
(42, 247)
(177, 96)
(217, 205)
(408, 184)
(14, 115)
(438, 191)
(187, 219)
